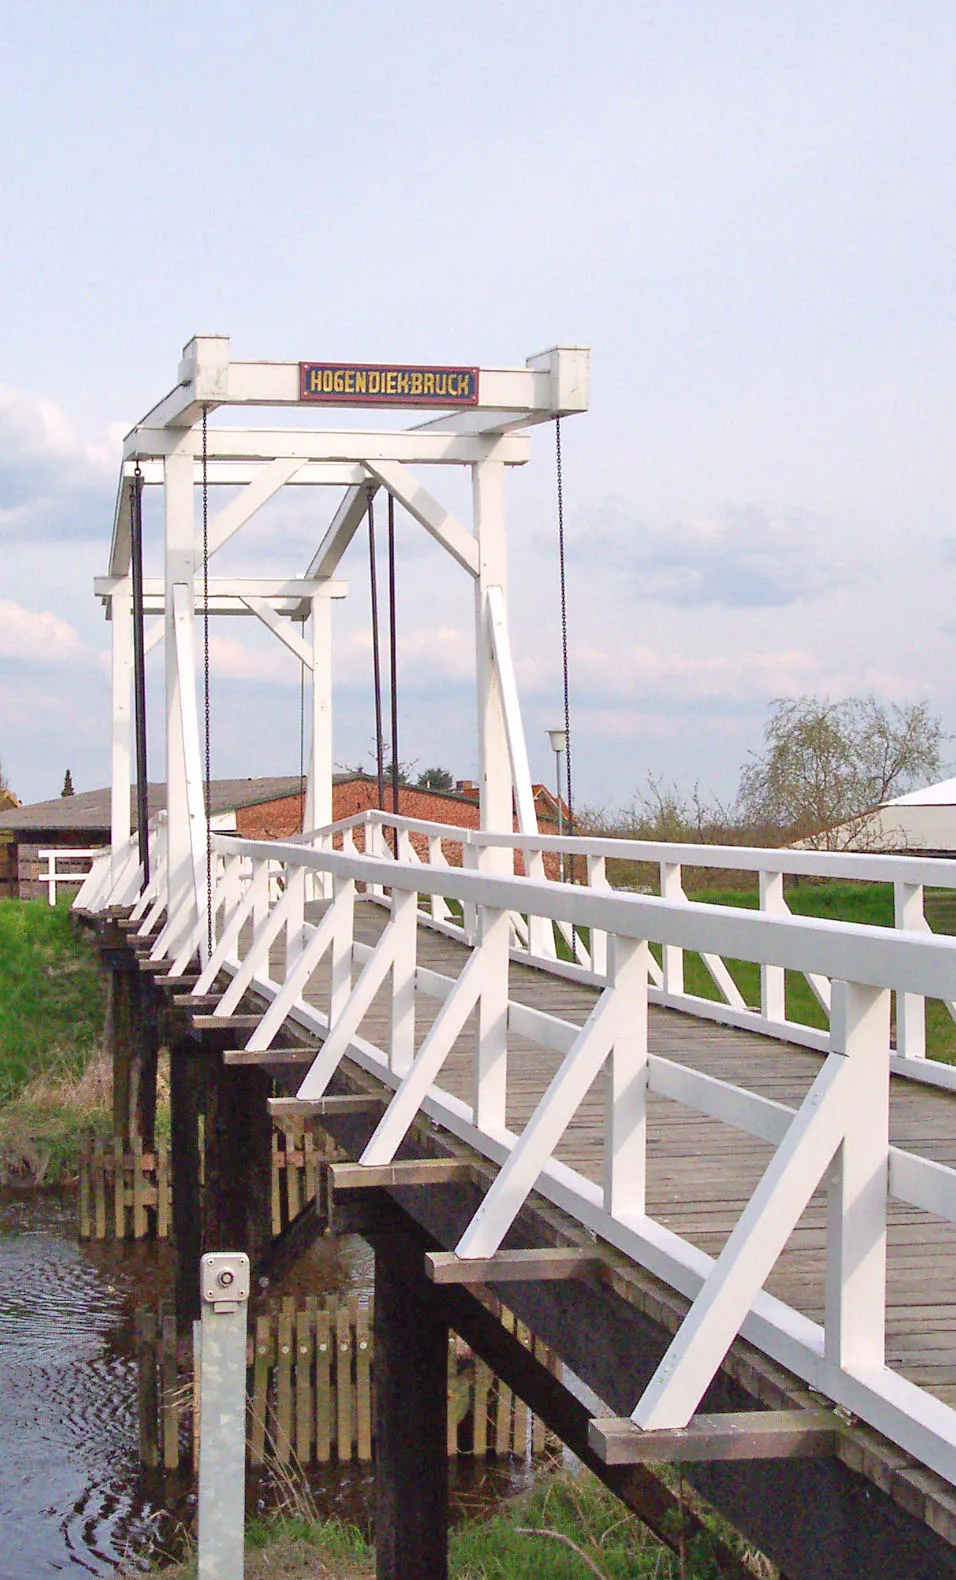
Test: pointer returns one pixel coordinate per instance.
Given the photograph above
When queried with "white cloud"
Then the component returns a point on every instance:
(54, 483)
(36, 635)
(739, 557)
(646, 672)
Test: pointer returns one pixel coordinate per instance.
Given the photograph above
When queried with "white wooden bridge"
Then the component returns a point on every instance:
(791, 1188)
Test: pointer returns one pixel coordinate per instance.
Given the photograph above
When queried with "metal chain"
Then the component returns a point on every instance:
(564, 626)
(205, 623)
(376, 653)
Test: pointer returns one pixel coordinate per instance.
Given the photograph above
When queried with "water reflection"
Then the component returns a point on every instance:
(73, 1499)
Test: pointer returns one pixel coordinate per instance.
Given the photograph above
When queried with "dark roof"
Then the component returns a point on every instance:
(89, 810)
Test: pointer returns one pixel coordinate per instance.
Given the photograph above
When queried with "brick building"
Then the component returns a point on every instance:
(267, 808)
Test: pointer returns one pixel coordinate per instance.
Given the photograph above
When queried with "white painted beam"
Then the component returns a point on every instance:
(121, 605)
(269, 444)
(235, 474)
(280, 628)
(341, 530)
(445, 528)
(240, 510)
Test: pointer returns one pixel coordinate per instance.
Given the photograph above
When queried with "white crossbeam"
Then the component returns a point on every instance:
(255, 892)
(352, 444)
(608, 1021)
(446, 1028)
(236, 474)
(445, 528)
(296, 978)
(350, 1017)
(241, 509)
(264, 936)
(342, 529)
(756, 1241)
(281, 628)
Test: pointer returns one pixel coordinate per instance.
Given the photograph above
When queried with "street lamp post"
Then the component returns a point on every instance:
(559, 745)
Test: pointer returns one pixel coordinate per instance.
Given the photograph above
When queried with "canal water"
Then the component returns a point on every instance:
(73, 1500)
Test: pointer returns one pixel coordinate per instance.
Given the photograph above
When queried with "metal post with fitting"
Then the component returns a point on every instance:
(559, 745)
(224, 1290)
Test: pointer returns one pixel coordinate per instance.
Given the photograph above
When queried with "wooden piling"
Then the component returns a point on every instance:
(411, 1402)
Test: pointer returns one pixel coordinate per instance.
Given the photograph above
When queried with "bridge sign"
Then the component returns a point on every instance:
(375, 384)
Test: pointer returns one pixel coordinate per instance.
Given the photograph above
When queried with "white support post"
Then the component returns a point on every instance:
(672, 888)
(470, 858)
(540, 933)
(856, 1218)
(121, 608)
(625, 1124)
(910, 1007)
(401, 1046)
(436, 858)
(318, 804)
(224, 1289)
(491, 1063)
(773, 1001)
(343, 904)
(294, 923)
(597, 879)
(494, 770)
(180, 568)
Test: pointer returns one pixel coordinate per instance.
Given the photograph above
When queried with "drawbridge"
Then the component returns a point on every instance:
(735, 1228)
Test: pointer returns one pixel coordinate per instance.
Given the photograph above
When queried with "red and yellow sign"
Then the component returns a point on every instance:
(370, 384)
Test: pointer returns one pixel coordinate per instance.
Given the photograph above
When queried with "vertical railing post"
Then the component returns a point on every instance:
(910, 1007)
(262, 902)
(469, 912)
(773, 996)
(401, 1047)
(436, 858)
(672, 888)
(490, 1090)
(343, 902)
(625, 1103)
(224, 1291)
(597, 879)
(295, 879)
(855, 1321)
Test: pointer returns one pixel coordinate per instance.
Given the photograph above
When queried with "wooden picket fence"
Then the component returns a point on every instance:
(310, 1390)
(125, 1191)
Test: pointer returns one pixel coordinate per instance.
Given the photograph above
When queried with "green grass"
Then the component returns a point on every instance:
(52, 994)
(870, 904)
(565, 1527)
(54, 1084)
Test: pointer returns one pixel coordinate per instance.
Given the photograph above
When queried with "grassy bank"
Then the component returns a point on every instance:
(54, 1082)
(870, 904)
(565, 1527)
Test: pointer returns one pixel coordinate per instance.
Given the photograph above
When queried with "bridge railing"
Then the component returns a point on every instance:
(837, 1141)
(760, 1004)
(65, 864)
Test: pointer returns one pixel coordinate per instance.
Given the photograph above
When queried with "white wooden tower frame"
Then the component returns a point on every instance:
(486, 436)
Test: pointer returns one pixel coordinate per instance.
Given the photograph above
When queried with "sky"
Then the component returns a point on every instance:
(745, 209)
